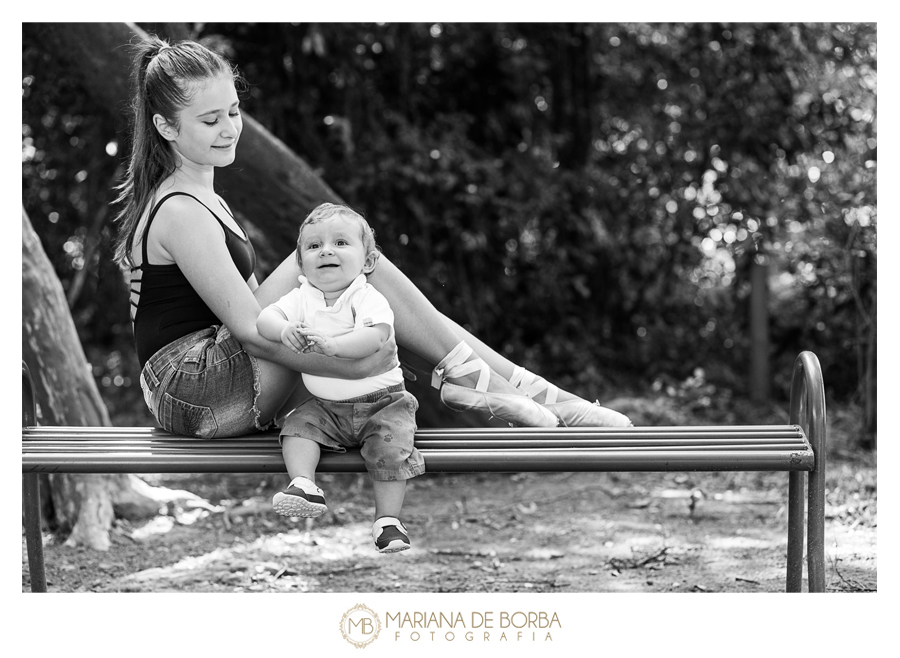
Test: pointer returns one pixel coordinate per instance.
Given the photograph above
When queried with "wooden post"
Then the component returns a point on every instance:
(759, 328)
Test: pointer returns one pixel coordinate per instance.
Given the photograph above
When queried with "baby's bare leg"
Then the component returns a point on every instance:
(388, 531)
(301, 456)
(301, 497)
(389, 497)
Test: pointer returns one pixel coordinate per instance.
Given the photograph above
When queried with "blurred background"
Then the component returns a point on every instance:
(661, 216)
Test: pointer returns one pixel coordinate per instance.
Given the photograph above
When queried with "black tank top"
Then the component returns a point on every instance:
(168, 307)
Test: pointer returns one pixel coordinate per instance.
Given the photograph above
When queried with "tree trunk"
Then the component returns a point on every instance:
(66, 394)
(269, 187)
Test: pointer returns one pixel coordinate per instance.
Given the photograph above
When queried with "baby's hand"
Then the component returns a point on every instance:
(318, 342)
(292, 337)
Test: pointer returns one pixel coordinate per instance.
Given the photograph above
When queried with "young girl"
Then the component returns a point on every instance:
(206, 370)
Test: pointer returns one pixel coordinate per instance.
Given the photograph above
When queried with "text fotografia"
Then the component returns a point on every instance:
(478, 626)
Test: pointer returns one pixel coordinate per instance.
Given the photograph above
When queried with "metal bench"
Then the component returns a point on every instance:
(796, 448)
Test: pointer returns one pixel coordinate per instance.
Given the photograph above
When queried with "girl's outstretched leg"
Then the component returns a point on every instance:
(466, 381)
(571, 410)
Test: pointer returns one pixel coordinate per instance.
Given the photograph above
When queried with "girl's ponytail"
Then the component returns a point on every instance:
(149, 161)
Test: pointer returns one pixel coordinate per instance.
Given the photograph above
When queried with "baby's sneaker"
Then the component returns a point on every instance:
(301, 498)
(389, 534)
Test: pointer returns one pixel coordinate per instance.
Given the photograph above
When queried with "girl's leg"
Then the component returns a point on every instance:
(281, 390)
(494, 359)
(421, 328)
(571, 410)
(465, 380)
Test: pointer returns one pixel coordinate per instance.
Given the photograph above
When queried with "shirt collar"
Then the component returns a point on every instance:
(358, 283)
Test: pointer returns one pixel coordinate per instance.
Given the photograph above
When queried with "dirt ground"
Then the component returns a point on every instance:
(537, 532)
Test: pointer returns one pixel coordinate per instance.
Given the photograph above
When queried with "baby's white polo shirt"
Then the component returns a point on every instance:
(360, 305)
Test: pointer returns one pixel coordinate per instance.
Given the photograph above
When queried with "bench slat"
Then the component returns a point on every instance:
(557, 433)
(156, 448)
(33, 442)
(495, 438)
(593, 460)
(436, 460)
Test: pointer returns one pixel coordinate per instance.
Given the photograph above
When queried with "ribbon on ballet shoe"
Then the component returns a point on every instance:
(532, 385)
(513, 407)
(574, 412)
(456, 364)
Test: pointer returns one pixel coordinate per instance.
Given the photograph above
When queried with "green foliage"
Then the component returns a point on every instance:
(587, 198)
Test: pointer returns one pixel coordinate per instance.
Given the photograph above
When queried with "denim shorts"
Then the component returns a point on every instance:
(203, 385)
(381, 424)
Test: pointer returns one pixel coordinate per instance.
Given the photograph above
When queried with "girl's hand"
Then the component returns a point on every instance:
(292, 337)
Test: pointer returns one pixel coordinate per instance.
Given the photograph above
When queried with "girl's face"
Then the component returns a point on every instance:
(208, 126)
(332, 253)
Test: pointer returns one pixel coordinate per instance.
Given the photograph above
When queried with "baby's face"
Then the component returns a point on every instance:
(332, 253)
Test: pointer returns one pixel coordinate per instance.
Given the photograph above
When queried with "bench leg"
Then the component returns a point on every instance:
(808, 411)
(796, 510)
(31, 506)
(815, 534)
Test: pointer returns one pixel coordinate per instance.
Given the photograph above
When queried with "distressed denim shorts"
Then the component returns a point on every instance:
(203, 385)
(382, 424)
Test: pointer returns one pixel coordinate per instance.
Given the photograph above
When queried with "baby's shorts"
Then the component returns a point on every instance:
(382, 424)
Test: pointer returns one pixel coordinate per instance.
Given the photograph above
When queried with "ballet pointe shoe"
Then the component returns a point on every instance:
(571, 413)
(581, 413)
(513, 408)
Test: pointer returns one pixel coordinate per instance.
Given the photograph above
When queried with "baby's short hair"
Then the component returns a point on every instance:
(328, 210)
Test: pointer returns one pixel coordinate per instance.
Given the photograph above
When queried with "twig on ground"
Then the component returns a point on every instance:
(636, 563)
(852, 585)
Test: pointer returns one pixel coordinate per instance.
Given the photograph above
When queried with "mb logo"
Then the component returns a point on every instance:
(360, 626)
